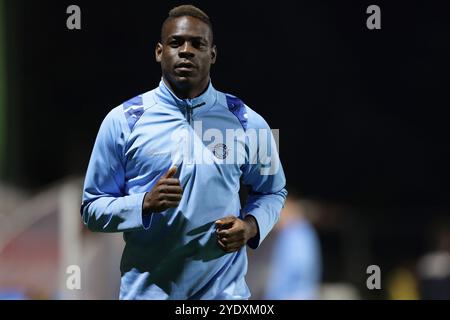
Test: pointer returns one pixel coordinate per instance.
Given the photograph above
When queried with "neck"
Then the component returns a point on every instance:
(187, 91)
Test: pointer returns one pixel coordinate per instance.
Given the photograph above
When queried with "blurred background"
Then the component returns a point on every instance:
(363, 118)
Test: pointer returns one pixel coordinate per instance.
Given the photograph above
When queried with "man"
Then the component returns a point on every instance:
(173, 192)
(290, 265)
(296, 262)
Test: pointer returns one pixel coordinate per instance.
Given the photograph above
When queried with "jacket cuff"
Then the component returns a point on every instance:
(146, 218)
(254, 242)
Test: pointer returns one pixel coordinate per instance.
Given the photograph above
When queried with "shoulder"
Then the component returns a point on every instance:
(124, 116)
(248, 117)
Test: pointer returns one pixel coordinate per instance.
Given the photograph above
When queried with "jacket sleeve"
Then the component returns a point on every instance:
(264, 174)
(105, 206)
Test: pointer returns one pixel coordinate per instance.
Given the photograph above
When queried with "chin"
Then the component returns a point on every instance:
(187, 80)
(183, 78)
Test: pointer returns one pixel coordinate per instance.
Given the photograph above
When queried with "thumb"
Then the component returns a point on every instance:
(225, 222)
(171, 172)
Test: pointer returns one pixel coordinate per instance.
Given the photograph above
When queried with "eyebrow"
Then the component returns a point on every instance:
(177, 36)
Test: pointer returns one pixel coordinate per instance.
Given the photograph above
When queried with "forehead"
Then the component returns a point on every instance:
(186, 26)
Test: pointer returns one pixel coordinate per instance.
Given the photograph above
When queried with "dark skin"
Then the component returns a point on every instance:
(233, 232)
(166, 193)
(186, 53)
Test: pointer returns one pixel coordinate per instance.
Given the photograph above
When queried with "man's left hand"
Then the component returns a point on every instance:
(233, 232)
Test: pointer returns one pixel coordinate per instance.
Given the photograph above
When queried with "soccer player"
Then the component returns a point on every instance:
(162, 173)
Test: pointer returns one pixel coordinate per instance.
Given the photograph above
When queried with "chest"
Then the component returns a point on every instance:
(210, 143)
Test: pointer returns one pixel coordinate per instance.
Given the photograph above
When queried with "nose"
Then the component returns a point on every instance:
(186, 50)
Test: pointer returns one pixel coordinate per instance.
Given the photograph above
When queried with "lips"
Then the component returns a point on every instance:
(185, 65)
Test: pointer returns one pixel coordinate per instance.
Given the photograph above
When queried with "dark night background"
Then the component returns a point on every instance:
(363, 114)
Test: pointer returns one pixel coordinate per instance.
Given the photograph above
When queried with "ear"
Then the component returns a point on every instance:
(213, 54)
(158, 52)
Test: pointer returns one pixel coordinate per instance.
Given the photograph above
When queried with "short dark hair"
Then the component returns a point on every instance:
(190, 11)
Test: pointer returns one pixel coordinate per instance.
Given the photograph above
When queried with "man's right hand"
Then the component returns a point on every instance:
(165, 194)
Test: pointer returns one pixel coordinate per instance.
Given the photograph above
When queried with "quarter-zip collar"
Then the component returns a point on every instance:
(198, 104)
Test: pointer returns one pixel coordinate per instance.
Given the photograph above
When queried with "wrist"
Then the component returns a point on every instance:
(146, 210)
(252, 226)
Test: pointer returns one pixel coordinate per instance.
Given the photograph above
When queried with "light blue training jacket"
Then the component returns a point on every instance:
(214, 140)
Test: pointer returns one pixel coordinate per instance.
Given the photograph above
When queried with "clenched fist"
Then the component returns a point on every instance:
(165, 194)
(233, 233)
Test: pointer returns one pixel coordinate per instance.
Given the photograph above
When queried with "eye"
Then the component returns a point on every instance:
(199, 44)
(175, 43)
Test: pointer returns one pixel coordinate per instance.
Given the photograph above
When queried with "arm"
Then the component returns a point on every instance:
(264, 175)
(105, 206)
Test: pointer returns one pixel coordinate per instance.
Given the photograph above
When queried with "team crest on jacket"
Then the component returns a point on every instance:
(220, 151)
